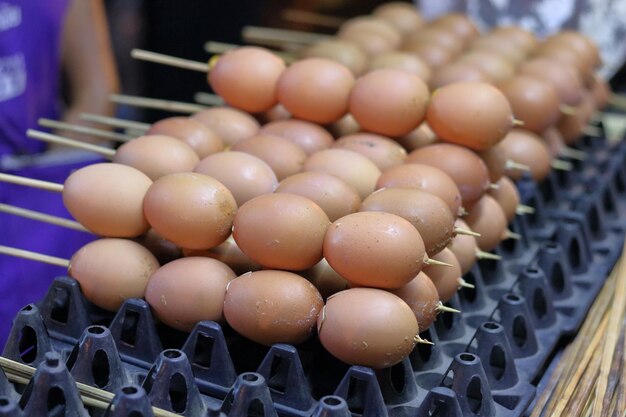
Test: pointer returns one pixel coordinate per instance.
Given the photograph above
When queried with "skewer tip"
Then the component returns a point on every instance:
(466, 232)
(522, 209)
(422, 341)
(464, 284)
(441, 308)
(487, 255)
(434, 262)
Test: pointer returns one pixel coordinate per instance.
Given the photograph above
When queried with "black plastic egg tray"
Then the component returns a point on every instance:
(486, 361)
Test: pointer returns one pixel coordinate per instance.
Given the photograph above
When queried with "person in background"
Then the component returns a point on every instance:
(55, 62)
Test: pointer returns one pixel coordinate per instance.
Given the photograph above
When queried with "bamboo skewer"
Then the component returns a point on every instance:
(280, 37)
(34, 256)
(54, 124)
(153, 103)
(29, 182)
(42, 217)
(113, 121)
(213, 47)
(303, 16)
(155, 57)
(48, 137)
(208, 99)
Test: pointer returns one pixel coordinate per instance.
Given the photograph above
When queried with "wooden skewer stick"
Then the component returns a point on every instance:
(34, 256)
(303, 16)
(568, 110)
(42, 217)
(487, 255)
(213, 47)
(272, 36)
(618, 101)
(461, 231)
(113, 121)
(517, 122)
(208, 99)
(516, 165)
(522, 209)
(561, 165)
(172, 61)
(431, 262)
(568, 152)
(512, 235)
(494, 186)
(154, 103)
(464, 284)
(592, 131)
(441, 308)
(48, 137)
(54, 124)
(29, 182)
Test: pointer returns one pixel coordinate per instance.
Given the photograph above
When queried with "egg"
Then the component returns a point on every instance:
(389, 102)
(310, 137)
(568, 57)
(499, 46)
(231, 125)
(343, 52)
(281, 231)
(330, 193)
(534, 102)
(316, 89)
(422, 297)
(229, 253)
(445, 278)
(554, 140)
(464, 248)
(527, 148)
(471, 114)
(382, 151)
(497, 68)
(157, 155)
(275, 114)
(495, 160)
(271, 307)
(373, 35)
(419, 137)
(507, 196)
(111, 271)
(374, 249)
(325, 279)
(107, 199)
(191, 210)
(521, 38)
(458, 72)
(368, 327)
(404, 61)
(488, 219)
(466, 169)
(351, 167)
(402, 16)
(344, 126)
(203, 140)
(423, 177)
(580, 43)
(433, 55)
(246, 176)
(246, 78)
(186, 291)
(565, 81)
(282, 155)
(428, 213)
(458, 23)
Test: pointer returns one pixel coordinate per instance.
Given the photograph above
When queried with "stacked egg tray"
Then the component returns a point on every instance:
(485, 361)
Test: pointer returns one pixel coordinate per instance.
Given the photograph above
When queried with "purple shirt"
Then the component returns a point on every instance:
(30, 52)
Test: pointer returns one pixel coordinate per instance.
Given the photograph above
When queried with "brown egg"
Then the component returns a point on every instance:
(349, 166)
(422, 297)
(464, 248)
(527, 148)
(458, 72)
(343, 52)
(419, 137)
(495, 160)
(276, 113)
(534, 101)
(246, 78)
(565, 81)
(334, 196)
(580, 43)
(162, 249)
(344, 126)
(281, 231)
(157, 155)
(282, 155)
(389, 102)
(561, 52)
(189, 290)
(374, 249)
(507, 196)
(402, 16)
(228, 253)
(571, 126)
(404, 61)
(382, 151)
(433, 55)
(520, 38)
(107, 199)
(431, 35)
(316, 89)
(271, 307)
(246, 176)
(191, 210)
(368, 327)
(308, 136)
(371, 34)
(445, 278)
(470, 114)
(459, 24)
(231, 125)
(111, 271)
(488, 219)
(423, 177)
(325, 279)
(554, 140)
(499, 46)
(497, 68)
(429, 214)
(466, 169)
(201, 138)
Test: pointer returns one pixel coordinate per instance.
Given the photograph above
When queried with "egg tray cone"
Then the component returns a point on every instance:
(486, 361)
